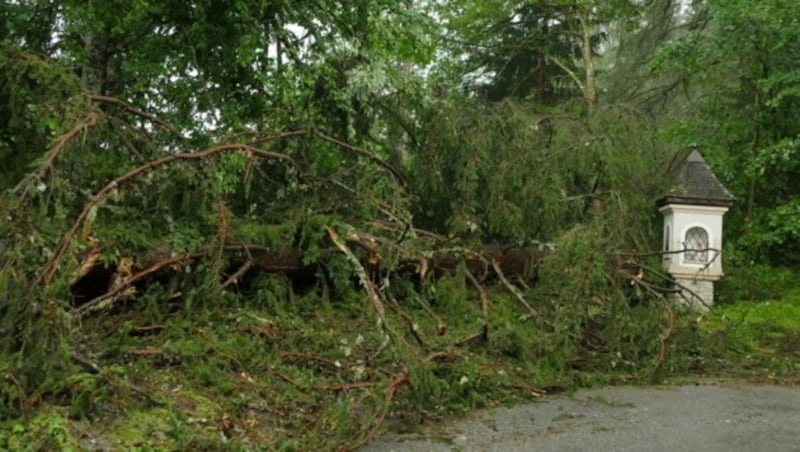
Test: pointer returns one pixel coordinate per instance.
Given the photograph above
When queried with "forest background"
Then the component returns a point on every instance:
(281, 224)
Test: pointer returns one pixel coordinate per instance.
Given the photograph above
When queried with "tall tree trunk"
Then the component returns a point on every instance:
(751, 195)
(589, 83)
(92, 73)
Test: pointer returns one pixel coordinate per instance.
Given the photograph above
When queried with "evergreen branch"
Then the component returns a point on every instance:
(128, 143)
(89, 121)
(412, 324)
(716, 253)
(137, 111)
(235, 277)
(662, 350)
(361, 151)
(51, 267)
(681, 288)
(472, 337)
(664, 253)
(400, 379)
(262, 137)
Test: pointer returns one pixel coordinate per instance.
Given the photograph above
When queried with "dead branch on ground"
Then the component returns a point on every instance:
(514, 290)
(399, 380)
(662, 350)
(484, 304)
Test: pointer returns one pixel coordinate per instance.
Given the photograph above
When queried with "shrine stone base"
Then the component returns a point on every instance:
(700, 293)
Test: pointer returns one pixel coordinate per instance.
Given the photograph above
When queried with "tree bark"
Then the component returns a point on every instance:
(589, 83)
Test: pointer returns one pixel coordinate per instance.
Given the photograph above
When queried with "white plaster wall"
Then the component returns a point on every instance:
(680, 218)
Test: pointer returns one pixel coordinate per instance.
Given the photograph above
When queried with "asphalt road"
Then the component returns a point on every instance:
(700, 417)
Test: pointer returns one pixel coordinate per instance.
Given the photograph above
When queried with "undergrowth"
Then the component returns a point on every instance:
(301, 373)
(756, 339)
(276, 370)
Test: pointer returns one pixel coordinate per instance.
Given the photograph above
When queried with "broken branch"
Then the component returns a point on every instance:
(362, 275)
(514, 290)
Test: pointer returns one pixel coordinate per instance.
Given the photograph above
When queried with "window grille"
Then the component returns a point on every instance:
(696, 245)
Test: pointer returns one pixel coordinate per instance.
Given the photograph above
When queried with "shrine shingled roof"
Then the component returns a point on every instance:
(695, 183)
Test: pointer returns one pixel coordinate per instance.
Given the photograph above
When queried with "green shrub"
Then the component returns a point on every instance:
(755, 283)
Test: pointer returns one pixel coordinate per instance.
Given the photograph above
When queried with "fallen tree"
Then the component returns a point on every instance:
(97, 284)
(162, 242)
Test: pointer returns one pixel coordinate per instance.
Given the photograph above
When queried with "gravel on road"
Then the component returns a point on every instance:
(679, 418)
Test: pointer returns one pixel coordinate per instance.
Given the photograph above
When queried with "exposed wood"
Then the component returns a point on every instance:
(515, 291)
(110, 282)
(124, 286)
(484, 304)
(362, 275)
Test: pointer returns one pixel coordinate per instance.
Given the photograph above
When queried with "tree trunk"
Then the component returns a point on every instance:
(589, 83)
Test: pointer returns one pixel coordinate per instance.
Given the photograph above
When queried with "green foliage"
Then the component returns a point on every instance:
(759, 337)
(755, 283)
(532, 50)
(37, 99)
(47, 430)
(742, 90)
(597, 316)
(201, 145)
(509, 173)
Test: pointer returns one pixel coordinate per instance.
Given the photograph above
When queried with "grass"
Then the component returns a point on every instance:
(757, 338)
